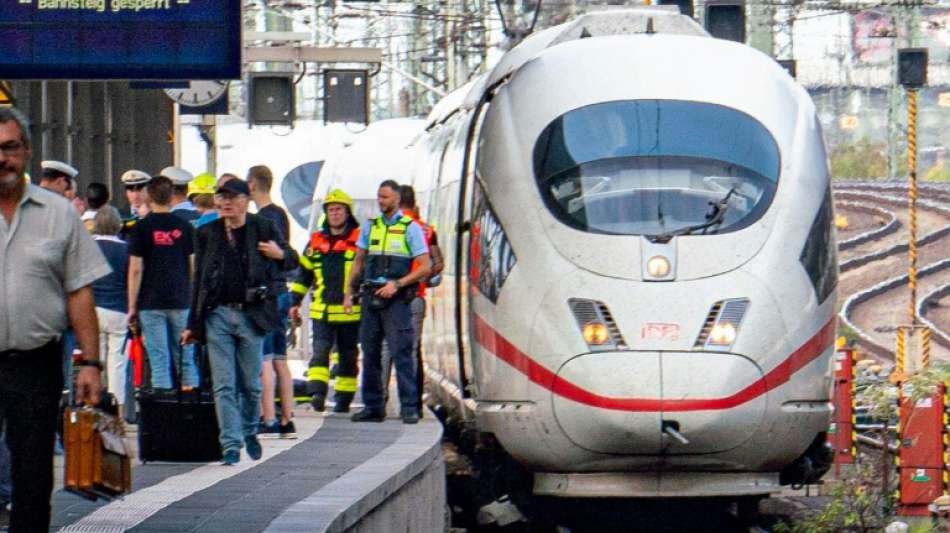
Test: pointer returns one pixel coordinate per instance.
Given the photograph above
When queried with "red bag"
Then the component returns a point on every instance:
(136, 359)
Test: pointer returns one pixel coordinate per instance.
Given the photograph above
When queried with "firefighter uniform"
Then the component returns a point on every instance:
(325, 266)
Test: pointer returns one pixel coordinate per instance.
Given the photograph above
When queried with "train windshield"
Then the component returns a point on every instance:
(656, 167)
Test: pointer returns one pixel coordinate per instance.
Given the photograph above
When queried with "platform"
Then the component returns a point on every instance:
(337, 475)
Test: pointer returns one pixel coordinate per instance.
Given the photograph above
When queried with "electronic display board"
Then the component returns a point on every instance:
(120, 39)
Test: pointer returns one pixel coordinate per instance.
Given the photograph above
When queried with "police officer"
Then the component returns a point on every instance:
(57, 176)
(134, 182)
(325, 264)
(388, 246)
(181, 205)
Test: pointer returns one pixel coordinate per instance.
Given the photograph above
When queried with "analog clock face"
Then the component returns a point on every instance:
(198, 93)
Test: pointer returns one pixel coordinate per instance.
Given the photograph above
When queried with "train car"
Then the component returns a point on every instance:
(639, 292)
(383, 151)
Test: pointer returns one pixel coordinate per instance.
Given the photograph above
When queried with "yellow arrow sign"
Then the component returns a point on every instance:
(6, 94)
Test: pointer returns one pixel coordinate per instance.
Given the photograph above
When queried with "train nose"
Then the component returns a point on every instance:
(648, 403)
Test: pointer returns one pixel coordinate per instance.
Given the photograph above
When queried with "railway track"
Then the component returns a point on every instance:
(873, 285)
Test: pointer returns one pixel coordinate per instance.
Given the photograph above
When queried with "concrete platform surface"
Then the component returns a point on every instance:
(331, 478)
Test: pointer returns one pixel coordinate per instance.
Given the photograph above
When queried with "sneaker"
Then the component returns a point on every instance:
(270, 431)
(319, 403)
(231, 457)
(368, 415)
(288, 430)
(253, 447)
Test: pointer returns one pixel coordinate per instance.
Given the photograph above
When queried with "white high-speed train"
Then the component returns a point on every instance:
(639, 293)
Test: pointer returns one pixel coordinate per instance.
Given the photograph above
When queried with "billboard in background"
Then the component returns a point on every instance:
(875, 31)
(120, 39)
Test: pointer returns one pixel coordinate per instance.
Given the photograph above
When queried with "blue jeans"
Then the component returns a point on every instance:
(162, 329)
(234, 350)
(394, 324)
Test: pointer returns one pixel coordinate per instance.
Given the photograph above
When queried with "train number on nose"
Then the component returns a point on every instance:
(660, 331)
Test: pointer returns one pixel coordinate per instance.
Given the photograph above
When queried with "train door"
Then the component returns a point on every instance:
(467, 140)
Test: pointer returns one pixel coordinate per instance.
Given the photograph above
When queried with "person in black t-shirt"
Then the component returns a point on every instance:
(259, 180)
(161, 259)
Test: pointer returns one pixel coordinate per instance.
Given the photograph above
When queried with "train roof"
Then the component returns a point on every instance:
(627, 21)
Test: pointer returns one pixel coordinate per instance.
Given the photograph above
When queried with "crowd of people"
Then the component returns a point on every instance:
(202, 279)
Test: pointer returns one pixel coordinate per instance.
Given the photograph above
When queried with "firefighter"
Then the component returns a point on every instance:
(325, 266)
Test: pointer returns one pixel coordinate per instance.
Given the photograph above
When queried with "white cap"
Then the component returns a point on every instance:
(135, 177)
(59, 166)
(178, 175)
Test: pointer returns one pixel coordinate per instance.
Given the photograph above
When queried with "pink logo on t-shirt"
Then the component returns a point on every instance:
(165, 238)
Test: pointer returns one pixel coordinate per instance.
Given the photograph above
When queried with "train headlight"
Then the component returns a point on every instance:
(721, 327)
(596, 325)
(595, 333)
(658, 266)
(723, 334)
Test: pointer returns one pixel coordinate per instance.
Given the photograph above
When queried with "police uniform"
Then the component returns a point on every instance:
(391, 245)
(325, 266)
(181, 180)
(131, 178)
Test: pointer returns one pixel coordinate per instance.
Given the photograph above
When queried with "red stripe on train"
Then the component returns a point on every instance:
(495, 343)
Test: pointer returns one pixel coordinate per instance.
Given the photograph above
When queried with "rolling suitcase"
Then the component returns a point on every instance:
(176, 425)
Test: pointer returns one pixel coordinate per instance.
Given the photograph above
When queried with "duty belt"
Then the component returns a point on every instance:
(13, 355)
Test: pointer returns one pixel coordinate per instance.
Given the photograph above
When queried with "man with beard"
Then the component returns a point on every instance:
(48, 266)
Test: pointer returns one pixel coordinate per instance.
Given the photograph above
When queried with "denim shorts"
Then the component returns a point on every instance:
(275, 342)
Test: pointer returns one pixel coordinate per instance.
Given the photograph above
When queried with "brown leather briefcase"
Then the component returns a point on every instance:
(97, 459)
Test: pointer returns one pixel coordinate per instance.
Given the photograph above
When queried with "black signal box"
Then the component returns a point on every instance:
(686, 6)
(726, 21)
(912, 67)
(271, 99)
(346, 96)
(789, 66)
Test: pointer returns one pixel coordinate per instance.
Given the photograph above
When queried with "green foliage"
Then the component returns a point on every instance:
(846, 331)
(921, 526)
(924, 384)
(857, 505)
(864, 159)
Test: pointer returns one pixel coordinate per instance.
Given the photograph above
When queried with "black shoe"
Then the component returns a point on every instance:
(341, 407)
(319, 403)
(269, 431)
(253, 447)
(288, 430)
(410, 418)
(368, 415)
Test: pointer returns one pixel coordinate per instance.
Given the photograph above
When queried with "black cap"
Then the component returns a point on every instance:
(233, 186)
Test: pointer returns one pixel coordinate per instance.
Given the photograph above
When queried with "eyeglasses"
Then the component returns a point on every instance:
(138, 187)
(229, 197)
(11, 148)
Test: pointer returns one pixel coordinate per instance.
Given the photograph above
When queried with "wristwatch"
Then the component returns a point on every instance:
(397, 284)
(90, 362)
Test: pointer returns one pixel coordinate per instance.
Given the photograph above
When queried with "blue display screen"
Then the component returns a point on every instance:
(120, 39)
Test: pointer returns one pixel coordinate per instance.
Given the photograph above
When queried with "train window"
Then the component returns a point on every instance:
(819, 256)
(490, 255)
(652, 167)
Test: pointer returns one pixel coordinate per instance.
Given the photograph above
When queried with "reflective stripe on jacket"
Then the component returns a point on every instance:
(326, 265)
(388, 255)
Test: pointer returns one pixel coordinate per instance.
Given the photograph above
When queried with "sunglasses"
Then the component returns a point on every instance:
(138, 187)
